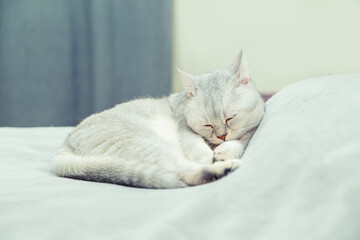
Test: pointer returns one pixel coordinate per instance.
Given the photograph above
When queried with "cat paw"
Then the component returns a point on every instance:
(205, 157)
(227, 150)
(210, 173)
(221, 169)
(199, 153)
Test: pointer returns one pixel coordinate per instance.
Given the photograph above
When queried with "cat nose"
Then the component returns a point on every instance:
(222, 137)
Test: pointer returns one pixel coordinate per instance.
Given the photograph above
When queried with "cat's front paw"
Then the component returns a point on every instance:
(205, 157)
(228, 150)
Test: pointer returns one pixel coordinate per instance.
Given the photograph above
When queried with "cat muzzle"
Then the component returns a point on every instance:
(222, 137)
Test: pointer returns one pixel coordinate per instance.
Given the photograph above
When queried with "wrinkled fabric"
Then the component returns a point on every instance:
(300, 180)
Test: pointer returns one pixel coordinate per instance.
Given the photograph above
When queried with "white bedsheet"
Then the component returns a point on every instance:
(300, 180)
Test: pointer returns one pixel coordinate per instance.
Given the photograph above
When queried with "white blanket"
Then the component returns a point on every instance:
(300, 180)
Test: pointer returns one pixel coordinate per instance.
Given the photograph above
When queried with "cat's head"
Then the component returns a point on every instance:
(222, 105)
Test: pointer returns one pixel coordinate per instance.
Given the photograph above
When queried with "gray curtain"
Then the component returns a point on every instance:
(61, 60)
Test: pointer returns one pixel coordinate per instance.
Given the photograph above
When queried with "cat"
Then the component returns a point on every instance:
(182, 140)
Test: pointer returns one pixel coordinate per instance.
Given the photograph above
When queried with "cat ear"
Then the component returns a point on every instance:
(188, 80)
(242, 70)
(235, 65)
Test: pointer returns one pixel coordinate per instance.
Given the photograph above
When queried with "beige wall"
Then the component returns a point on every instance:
(285, 41)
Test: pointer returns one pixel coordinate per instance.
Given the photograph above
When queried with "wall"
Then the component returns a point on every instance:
(285, 41)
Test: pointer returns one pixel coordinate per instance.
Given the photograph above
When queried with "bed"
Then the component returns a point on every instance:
(300, 179)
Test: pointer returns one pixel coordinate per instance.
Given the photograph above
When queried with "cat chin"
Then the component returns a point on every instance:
(215, 141)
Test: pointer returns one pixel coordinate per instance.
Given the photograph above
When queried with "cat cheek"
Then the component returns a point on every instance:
(233, 133)
(230, 136)
(209, 132)
(213, 139)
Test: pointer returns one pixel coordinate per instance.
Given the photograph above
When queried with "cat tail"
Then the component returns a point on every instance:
(119, 171)
(110, 170)
(96, 169)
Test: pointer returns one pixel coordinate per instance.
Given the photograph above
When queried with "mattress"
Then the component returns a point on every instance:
(299, 180)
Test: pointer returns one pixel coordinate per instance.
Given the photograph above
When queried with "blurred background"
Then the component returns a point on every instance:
(61, 60)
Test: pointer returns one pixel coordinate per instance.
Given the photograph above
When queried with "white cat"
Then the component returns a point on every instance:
(168, 142)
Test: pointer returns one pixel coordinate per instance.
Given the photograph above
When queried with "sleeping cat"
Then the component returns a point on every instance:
(186, 139)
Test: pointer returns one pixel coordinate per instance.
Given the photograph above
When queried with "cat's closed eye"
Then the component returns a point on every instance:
(209, 126)
(228, 120)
